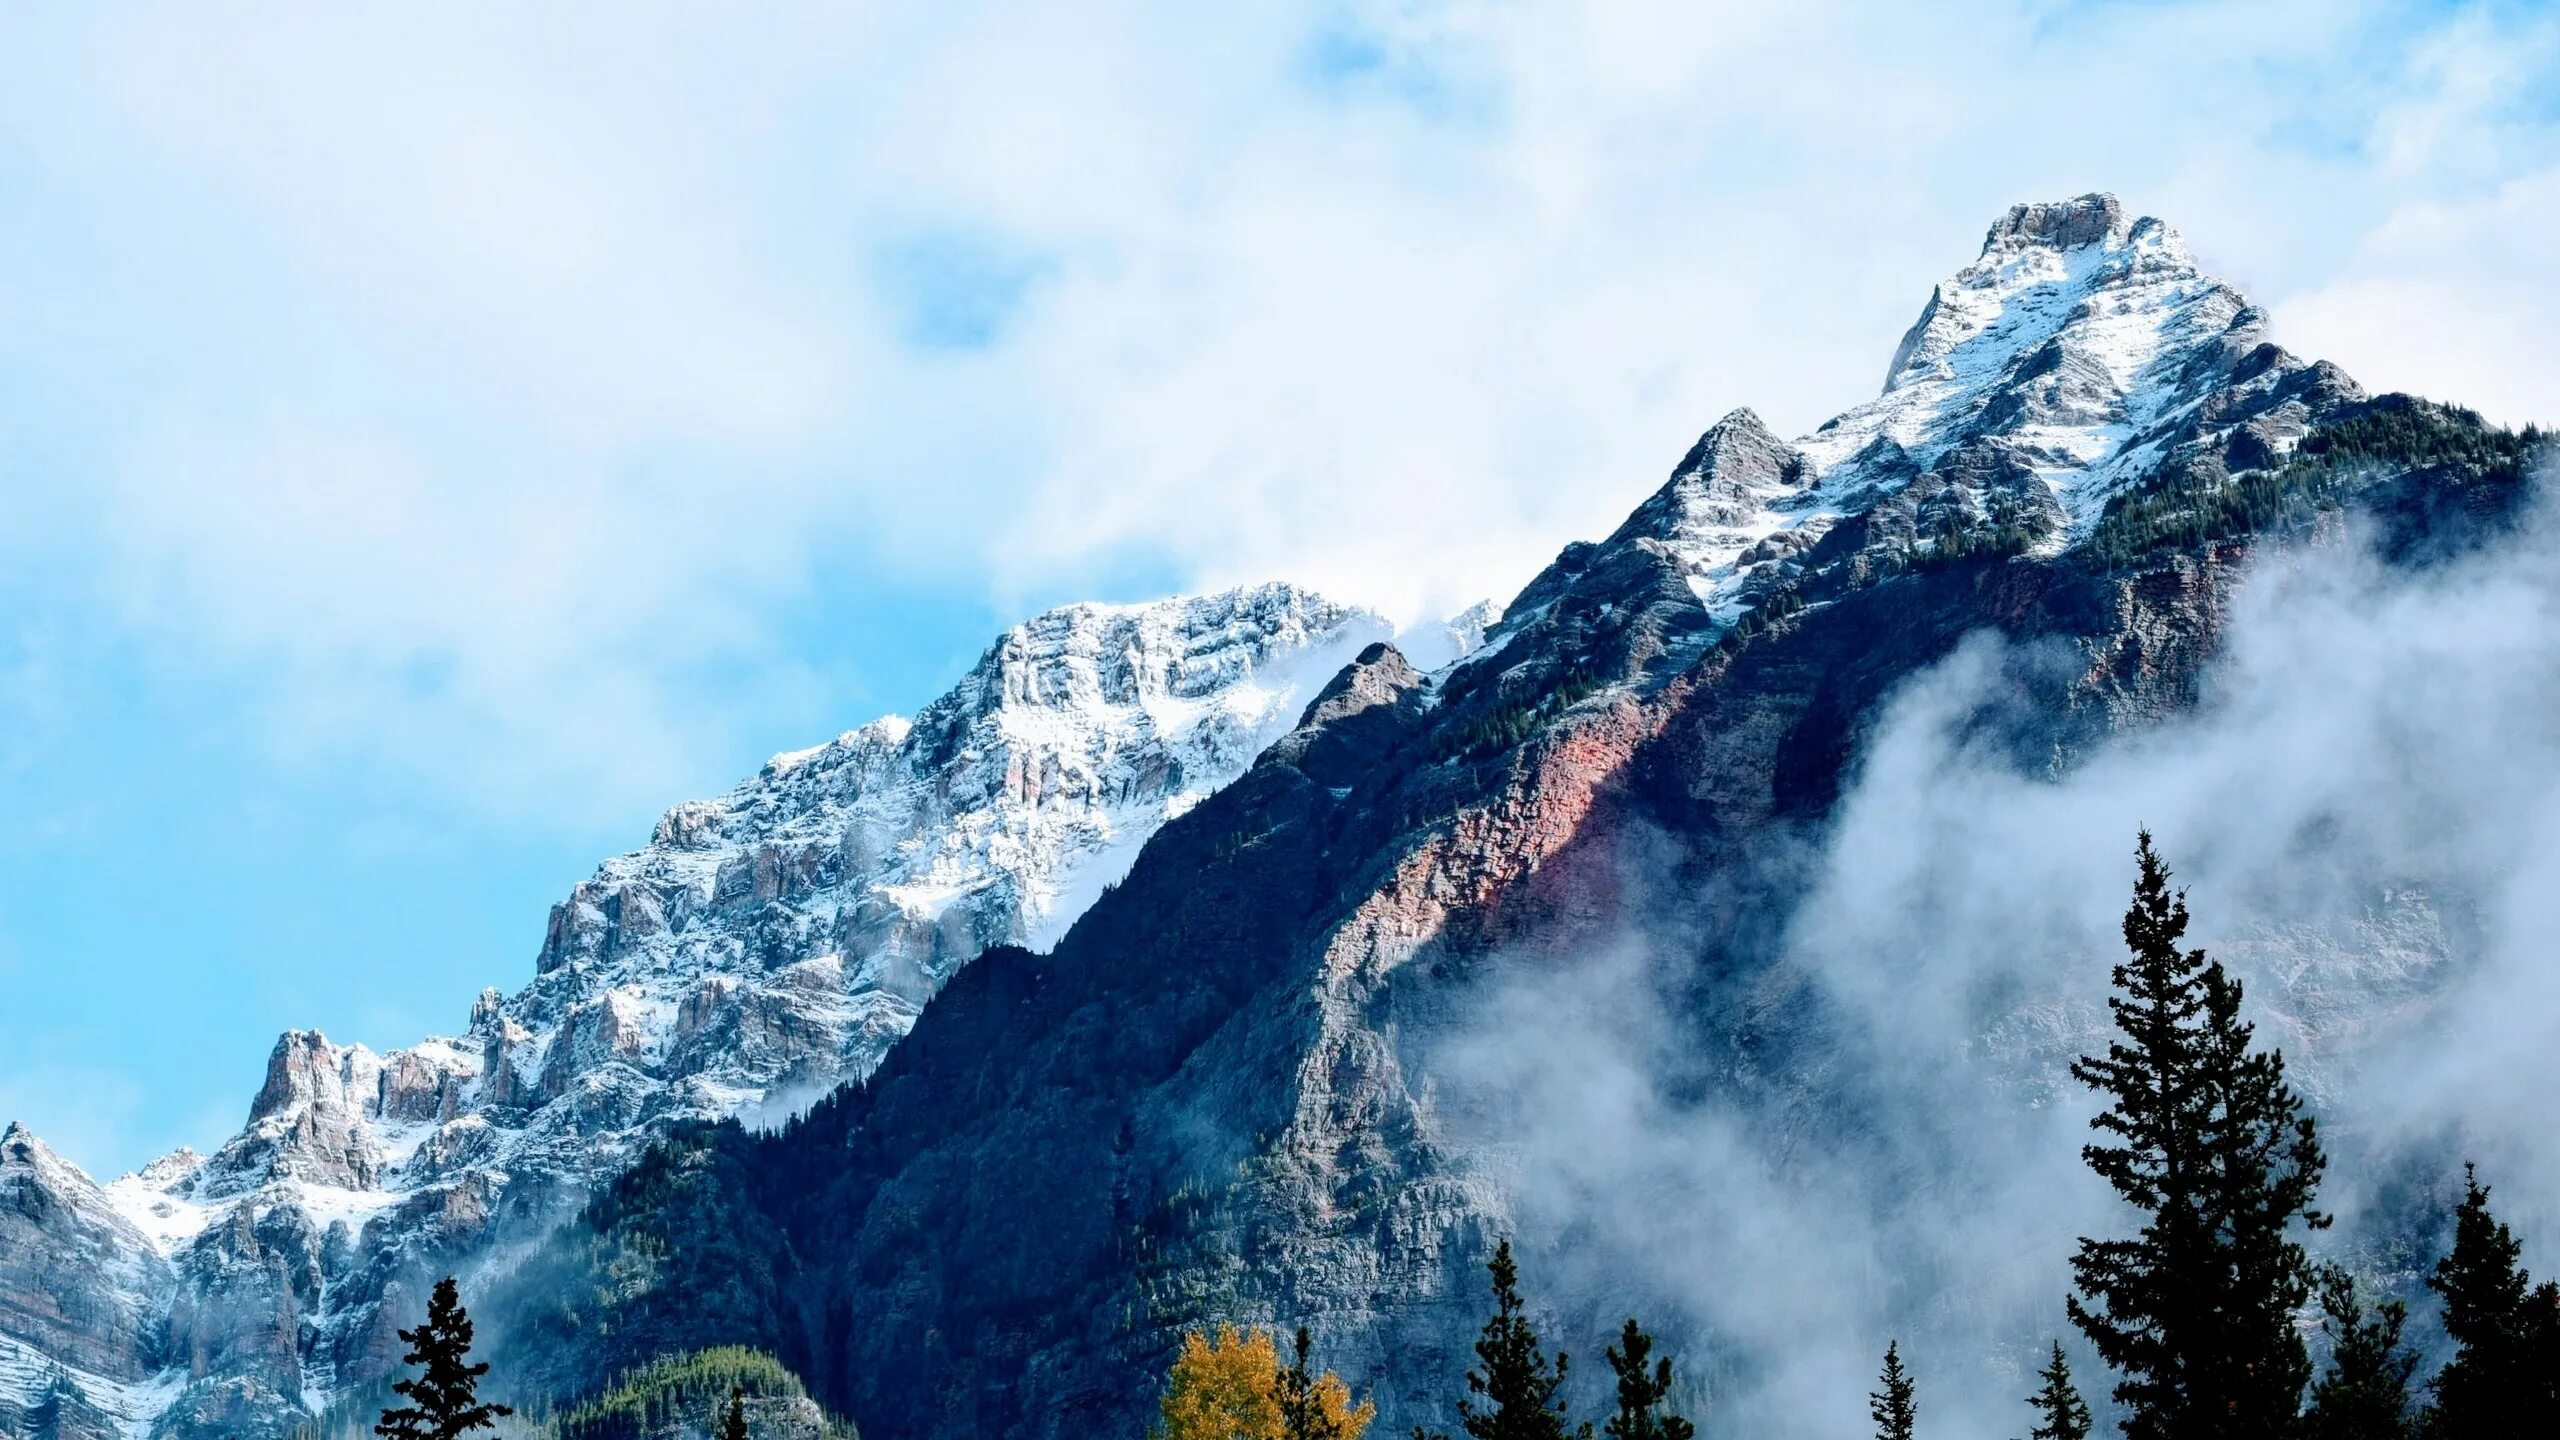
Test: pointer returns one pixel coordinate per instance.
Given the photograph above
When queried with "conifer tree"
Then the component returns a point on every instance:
(444, 1402)
(733, 1426)
(2365, 1394)
(2506, 1334)
(1317, 1406)
(1644, 1391)
(2060, 1412)
(1892, 1406)
(2195, 1311)
(1517, 1386)
(2542, 1353)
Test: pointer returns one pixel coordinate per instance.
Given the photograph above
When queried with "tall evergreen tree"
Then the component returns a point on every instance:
(2060, 1412)
(1644, 1391)
(2542, 1353)
(733, 1425)
(1514, 1395)
(1316, 1405)
(2365, 1394)
(2195, 1312)
(2506, 1334)
(1892, 1406)
(444, 1398)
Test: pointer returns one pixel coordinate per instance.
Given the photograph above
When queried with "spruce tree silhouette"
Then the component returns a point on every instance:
(2060, 1412)
(1519, 1389)
(2503, 1381)
(2365, 1395)
(1644, 1391)
(444, 1399)
(2204, 1137)
(1892, 1406)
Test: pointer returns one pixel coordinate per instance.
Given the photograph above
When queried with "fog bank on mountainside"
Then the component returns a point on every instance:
(2361, 803)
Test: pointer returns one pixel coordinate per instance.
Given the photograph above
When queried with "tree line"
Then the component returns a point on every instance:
(2194, 1311)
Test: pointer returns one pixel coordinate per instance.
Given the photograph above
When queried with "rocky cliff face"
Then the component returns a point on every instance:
(1229, 1093)
(763, 948)
(81, 1292)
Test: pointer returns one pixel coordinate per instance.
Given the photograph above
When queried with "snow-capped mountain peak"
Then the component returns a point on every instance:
(2082, 354)
(2073, 334)
(763, 947)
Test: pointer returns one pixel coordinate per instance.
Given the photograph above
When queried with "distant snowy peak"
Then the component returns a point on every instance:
(771, 943)
(81, 1288)
(2028, 251)
(2060, 350)
(2080, 356)
(1730, 491)
(762, 948)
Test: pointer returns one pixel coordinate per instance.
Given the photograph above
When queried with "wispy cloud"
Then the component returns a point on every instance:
(489, 375)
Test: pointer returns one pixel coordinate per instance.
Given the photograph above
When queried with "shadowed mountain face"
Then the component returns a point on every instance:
(1275, 1075)
(1277, 1072)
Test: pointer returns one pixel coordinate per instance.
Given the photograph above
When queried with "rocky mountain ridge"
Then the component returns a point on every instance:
(761, 949)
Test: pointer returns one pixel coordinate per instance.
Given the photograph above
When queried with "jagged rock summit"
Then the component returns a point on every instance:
(763, 948)
(2080, 357)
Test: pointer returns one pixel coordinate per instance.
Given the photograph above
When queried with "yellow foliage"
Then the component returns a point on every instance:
(1231, 1388)
(1336, 1418)
(1226, 1389)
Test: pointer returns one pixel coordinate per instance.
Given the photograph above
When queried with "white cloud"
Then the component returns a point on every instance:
(2458, 300)
(490, 373)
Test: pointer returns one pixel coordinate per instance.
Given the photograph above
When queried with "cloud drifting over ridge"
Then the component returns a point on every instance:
(2363, 810)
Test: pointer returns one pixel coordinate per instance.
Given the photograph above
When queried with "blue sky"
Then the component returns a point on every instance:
(432, 443)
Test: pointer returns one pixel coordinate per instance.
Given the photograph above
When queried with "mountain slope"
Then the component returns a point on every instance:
(764, 947)
(1234, 1090)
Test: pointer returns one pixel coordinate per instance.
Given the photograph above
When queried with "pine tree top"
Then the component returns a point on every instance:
(2201, 1132)
(444, 1396)
(1513, 1392)
(1644, 1388)
(2060, 1412)
(1893, 1405)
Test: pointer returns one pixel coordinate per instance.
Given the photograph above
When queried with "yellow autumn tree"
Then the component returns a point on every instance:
(1233, 1387)
(1223, 1389)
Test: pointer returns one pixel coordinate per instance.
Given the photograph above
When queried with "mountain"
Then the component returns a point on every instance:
(1250, 1083)
(763, 948)
(1274, 924)
(82, 1291)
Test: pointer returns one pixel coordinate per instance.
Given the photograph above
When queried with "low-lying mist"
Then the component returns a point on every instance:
(1872, 1133)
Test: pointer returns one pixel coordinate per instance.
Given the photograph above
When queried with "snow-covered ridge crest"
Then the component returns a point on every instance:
(2075, 331)
(762, 948)
(2083, 353)
(773, 942)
